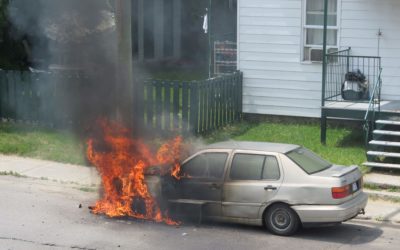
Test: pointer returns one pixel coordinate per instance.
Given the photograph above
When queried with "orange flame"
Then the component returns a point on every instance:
(121, 162)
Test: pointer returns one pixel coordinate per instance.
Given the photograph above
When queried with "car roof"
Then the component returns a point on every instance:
(256, 146)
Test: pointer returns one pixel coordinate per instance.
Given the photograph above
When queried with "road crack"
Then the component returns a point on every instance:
(45, 244)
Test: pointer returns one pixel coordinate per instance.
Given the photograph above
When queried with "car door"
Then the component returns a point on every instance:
(252, 180)
(202, 180)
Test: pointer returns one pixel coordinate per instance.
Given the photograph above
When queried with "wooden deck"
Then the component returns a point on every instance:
(357, 110)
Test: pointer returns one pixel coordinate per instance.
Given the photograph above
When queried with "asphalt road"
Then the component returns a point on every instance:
(40, 214)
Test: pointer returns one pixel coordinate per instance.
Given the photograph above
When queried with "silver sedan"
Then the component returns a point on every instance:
(280, 186)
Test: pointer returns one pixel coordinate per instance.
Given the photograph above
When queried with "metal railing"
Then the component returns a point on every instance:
(341, 63)
(373, 106)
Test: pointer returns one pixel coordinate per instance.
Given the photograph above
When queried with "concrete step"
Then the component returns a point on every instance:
(385, 143)
(386, 132)
(384, 154)
(387, 122)
(381, 165)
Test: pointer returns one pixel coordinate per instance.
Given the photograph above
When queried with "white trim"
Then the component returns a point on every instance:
(304, 27)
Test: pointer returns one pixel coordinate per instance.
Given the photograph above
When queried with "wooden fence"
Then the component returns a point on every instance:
(38, 97)
(193, 107)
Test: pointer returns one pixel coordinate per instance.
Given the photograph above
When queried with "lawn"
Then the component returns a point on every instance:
(47, 144)
(344, 145)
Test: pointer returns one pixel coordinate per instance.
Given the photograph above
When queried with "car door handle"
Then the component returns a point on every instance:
(270, 188)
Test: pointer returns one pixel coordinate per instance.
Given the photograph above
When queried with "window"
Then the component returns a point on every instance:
(207, 165)
(308, 161)
(314, 29)
(254, 167)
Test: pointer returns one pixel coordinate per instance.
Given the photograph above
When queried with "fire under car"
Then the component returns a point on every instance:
(279, 186)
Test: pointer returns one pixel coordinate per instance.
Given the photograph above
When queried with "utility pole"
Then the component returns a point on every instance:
(125, 87)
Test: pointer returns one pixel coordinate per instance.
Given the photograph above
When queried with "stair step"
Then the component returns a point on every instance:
(387, 122)
(385, 143)
(381, 165)
(384, 154)
(386, 132)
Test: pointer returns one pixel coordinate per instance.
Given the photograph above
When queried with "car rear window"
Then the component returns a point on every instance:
(308, 161)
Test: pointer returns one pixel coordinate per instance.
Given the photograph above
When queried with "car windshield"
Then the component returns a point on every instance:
(308, 161)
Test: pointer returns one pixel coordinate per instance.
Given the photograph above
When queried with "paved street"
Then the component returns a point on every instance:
(44, 214)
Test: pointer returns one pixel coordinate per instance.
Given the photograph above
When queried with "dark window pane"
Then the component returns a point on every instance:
(207, 165)
(247, 167)
(216, 164)
(271, 169)
(196, 167)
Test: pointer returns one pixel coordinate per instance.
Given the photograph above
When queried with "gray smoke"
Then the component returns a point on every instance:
(75, 43)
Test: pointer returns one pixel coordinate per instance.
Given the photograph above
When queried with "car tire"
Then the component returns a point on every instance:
(280, 219)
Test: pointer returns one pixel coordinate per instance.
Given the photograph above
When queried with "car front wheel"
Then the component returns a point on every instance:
(280, 219)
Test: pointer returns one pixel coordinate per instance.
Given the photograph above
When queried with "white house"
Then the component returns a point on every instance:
(280, 40)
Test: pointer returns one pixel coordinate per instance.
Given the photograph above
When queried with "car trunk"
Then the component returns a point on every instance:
(344, 175)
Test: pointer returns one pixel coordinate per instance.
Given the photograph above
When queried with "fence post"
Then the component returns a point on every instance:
(240, 94)
(185, 107)
(194, 107)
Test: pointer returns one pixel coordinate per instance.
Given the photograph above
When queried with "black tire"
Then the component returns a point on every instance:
(280, 219)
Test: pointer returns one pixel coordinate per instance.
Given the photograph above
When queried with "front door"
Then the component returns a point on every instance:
(253, 179)
(202, 181)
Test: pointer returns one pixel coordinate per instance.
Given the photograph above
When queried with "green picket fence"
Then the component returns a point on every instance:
(195, 107)
(32, 97)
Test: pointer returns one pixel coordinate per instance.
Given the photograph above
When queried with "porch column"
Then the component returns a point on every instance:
(323, 115)
(141, 30)
(158, 29)
(177, 28)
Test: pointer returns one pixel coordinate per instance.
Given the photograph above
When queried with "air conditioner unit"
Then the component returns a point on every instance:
(316, 54)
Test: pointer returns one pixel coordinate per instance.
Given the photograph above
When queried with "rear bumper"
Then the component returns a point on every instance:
(332, 213)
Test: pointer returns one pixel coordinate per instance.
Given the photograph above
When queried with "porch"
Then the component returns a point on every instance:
(352, 91)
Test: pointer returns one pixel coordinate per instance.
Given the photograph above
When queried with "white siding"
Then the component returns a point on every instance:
(361, 20)
(269, 52)
(275, 80)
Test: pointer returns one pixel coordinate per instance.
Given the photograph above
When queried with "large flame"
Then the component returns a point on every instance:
(121, 162)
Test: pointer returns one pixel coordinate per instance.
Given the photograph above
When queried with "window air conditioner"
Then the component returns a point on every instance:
(317, 54)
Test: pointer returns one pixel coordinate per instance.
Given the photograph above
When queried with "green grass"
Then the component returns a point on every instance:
(344, 145)
(11, 173)
(47, 144)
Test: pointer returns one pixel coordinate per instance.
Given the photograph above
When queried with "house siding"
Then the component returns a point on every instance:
(276, 82)
(361, 20)
(269, 42)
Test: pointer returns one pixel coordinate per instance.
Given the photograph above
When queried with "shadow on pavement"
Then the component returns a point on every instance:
(346, 233)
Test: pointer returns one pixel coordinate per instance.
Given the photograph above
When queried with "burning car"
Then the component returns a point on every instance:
(280, 186)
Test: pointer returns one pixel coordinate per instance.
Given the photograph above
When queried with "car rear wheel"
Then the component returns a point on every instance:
(280, 219)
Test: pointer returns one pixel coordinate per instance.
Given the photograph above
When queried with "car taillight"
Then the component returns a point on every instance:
(341, 192)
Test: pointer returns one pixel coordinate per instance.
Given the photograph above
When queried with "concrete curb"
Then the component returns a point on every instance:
(384, 195)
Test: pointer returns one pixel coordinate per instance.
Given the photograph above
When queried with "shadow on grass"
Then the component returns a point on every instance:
(354, 139)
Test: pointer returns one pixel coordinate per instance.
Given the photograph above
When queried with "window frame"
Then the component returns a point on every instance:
(266, 154)
(304, 28)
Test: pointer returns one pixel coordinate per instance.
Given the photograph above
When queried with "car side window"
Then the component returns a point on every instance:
(271, 168)
(247, 167)
(206, 165)
(254, 167)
